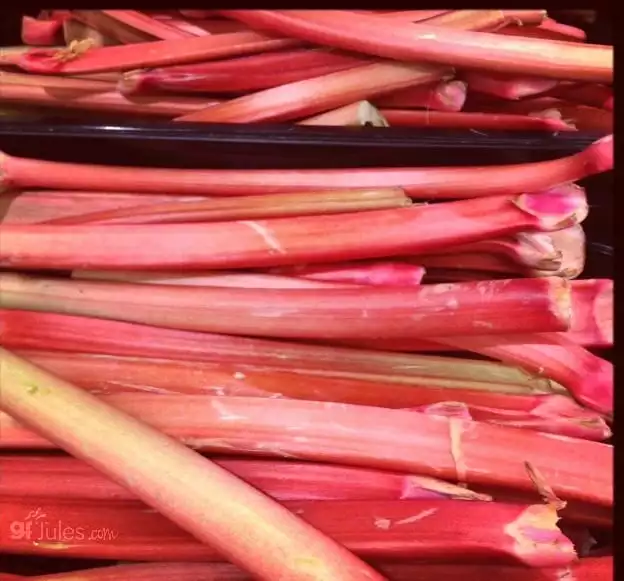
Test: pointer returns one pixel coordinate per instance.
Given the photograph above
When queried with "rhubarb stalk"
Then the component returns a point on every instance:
(442, 96)
(538, 305)
(40, 32)
(474, 453)
(507, 87)
(432, 182)
(276, 543)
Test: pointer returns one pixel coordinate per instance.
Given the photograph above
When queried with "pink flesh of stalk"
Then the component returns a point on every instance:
(481, 454)
(483, 307)
(438, 183)
(110, 440)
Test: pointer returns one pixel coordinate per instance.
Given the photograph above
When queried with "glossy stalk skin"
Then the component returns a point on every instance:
(277, 241)
(108, 101)
(248, 207)
(484, 307)
(442, 96)
(71, 479)
(424, 42)
(428, 183)
(506, 86)
(474, 121)
(590, 427)
(148, 54)
(51, 206)
(276, 542)
(588, 569)
(314, 95)
(105, 374)
(247, 73)
(373, 273)
(474, 453)
(40, 32)
(359, 114)
(418, 530)
(146, 24)
(50, 331)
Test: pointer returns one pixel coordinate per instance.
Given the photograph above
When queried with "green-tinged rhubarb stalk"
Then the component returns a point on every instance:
(275, 241)
(276, 542)
(51, 331)
(428, 182)
(416, 530)
(473, 308)
(466, 451)
(246, 207)
(71, 479)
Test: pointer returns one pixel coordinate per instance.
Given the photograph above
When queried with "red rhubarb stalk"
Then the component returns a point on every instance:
(475, 121)
(75, 31)
(114, 30)
(431, 182)
(538, 305)
(50, 331)
(439, 96)
(376, 273)
(276, 542)
(84, 59)
(600, 96)
(417, 530)
(474, 453)
(40, 32)
(54, 84)
(357, 114)
(247, 207)
(72, 479)
(426, 42)
(147, 24)
(507, 87)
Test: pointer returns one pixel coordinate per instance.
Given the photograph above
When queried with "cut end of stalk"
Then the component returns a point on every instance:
(553, 211)
(369, 115)
(598, 157)
(537, 527)
(131, 82)
(454, 94)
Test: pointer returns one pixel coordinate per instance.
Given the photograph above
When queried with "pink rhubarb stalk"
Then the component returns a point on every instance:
(439, 96)
(84, 59)
(600, 96)
(507, 87)
(538, 305)
(431, 182)
(65, 86)
(50, 331)
(474, 121)
(276, 542)
(420, 42)
(146, 24)
(548, 29)
(474, 453)
(378, 273)
(72, 479)
(40, 32)
(357, 114)
(247, 207)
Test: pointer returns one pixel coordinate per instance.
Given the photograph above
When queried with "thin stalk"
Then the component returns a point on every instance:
(538, 305)
(358, 114)
(474, 121)
(71, 479)
(506, 86)
(39, 32)
(474, 453)
(49, 331)
(439, 96)
(429, 183)
(53, 84)
(41, 206)
(524, 535)
(276, 542)
(424, 42)
(84, 59)
(146, 24)
(110, 101)
(278, 241)
(315, 95)
(247, 207)
(378, 273)
(548, 29)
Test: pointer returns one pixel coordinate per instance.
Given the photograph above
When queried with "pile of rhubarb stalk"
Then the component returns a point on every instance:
(358, 374)
(458, 69)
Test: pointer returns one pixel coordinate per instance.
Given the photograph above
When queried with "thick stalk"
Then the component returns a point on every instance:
(84, 59)
(276, 542)
(425, 42)
(442, 96)
(71, 479)
(474, 453)
(430, 183)
(507, 87)
(485, 307)
(39, 32)
(49, 331)
(359, 114)
(247, 207)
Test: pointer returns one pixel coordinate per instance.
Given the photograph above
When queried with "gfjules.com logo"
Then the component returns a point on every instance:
(37, 527)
